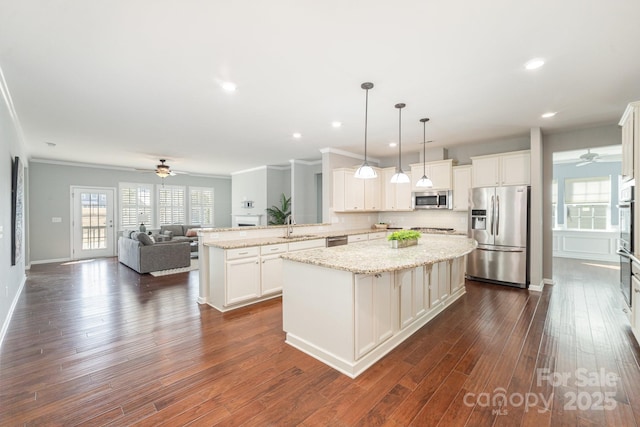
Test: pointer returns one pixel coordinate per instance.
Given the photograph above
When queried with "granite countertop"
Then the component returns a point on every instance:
(273, 240)
(376, 256)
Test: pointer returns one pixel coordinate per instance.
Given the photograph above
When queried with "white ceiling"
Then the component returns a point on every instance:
(128, 82)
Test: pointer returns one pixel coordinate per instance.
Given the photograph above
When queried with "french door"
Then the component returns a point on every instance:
(92, 229)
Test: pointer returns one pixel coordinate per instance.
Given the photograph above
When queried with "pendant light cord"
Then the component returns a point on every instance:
(366, 114)
(424, 148)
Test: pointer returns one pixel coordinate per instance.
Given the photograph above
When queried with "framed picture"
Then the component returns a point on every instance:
(17, 209)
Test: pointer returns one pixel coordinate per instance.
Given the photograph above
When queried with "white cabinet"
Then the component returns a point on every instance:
(635, 306)
(461, 186)
(377, 235)
(501, 169)
(351, 194)
(410, 284)
(307, 244)
(396, 197)
(373, 311)
(630, 123)
(242, 275)
(458, 269)
(440, 173)
(271, 268)
(353, 238)
(436, 277)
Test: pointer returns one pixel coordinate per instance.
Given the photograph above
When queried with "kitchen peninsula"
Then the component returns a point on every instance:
(348, 306)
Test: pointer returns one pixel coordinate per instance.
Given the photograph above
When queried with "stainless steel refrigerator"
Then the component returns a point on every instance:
(499, 222)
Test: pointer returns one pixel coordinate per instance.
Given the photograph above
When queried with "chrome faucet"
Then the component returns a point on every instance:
(288, 220)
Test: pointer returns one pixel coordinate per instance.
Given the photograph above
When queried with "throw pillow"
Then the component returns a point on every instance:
(191, 233)
(168, 234)
(133, 235)
(145, 239)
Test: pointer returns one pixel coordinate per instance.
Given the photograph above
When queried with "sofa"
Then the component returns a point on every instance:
(180, 233)
(140, 252)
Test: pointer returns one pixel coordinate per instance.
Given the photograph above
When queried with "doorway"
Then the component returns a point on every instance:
(92, 226)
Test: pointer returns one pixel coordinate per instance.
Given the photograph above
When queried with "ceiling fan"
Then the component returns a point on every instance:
(162, 170)
(588, 158)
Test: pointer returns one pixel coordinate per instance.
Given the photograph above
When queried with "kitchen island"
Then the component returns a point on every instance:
(348, 306)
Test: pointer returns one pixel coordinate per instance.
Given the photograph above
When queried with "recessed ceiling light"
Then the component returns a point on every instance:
(229, 86)
(336, 124)
(534, 63)
(549, 114)
(393, 144)
(297, 135)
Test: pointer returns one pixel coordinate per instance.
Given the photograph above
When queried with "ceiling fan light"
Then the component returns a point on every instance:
(424, 182)
(365, 172)
(400, 178)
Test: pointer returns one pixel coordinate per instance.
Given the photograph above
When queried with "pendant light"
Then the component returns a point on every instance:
(365, 171)
(400, 177)
(424, 181)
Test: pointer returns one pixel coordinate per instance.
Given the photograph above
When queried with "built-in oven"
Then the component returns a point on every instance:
(432, 200)
(625, 209)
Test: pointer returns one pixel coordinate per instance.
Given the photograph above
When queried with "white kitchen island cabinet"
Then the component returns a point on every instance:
(348, 306)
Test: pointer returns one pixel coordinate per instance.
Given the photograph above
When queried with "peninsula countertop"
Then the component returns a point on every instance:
(376, 256)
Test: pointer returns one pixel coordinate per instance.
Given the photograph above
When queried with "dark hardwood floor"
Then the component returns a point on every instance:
(94, 343)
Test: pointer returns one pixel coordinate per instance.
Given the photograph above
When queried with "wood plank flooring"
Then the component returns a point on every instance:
(94, 343)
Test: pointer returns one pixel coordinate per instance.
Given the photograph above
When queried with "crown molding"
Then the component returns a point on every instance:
(347, 154)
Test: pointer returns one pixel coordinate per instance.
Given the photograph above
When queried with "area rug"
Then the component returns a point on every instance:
(194, 266)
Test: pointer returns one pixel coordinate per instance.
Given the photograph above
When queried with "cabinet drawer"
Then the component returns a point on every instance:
(273, 249)
(307, 244)
(378, 235)
(357, 238)
(243, 252)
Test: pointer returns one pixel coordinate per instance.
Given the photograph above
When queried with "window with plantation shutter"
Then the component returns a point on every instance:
(587, 201)
(171, 205)
(201, 206)
(135, 204)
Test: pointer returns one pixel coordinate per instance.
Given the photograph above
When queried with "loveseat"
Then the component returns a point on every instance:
(141, 253)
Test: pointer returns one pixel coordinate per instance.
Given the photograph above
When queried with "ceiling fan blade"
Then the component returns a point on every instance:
(583, 163)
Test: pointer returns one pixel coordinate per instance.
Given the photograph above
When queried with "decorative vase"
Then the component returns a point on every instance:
(142, 227)
(396, 244)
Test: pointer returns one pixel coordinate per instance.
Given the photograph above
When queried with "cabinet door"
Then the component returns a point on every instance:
(635, 306)
(431, 278)
(461, 186)
(354, 192)
(514, 169)
(339, 186)
(372, 193)
(485, 172)
(458, 267)
(440, 174)
(243, 280)
(444, 280)
(627, 148)
(403, 197)
(271, 274)
(405, 280)
(374, 311)
(396, 196)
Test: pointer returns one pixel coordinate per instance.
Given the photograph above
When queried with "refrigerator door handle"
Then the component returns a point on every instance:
(497, 214)
(500, 250)
(493, 213)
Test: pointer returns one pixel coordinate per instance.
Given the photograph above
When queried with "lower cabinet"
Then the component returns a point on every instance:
(243, 280)
(271, 268)
(374, 297)
(635, 304)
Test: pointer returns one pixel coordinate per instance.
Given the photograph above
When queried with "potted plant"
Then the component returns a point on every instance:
(278, 214)
(380, 225)
(404, 238)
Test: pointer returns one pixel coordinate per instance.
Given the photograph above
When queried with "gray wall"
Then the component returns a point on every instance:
(50, 197)
(11, 277)
(278, 182)
(564, 141)
(304, 191)
(263, 186)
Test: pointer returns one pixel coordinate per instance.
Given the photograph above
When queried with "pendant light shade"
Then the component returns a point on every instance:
(424, 182)
(400, 177)
(365, 171)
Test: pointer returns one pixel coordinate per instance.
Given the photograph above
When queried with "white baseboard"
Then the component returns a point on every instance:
(48, 261)
(539, 287)
(7, 320)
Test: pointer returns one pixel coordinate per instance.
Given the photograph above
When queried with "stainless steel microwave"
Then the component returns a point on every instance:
(432, 200)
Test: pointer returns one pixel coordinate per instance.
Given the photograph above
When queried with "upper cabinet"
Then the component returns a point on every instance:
(461, 186)
(351, 194)
(440, 173)
(396, 197)
(630, 123)
(501, 169)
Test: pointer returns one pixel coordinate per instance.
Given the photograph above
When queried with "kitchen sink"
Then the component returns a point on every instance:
(297, 236)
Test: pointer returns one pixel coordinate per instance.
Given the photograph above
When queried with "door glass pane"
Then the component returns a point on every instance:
(94, 221)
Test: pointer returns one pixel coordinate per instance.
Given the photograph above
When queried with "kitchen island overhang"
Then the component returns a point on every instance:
(348, 306)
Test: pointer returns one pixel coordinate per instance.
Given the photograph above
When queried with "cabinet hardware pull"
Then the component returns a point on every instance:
(242, 253)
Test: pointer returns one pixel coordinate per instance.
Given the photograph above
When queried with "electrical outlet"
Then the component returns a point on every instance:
(56, 219)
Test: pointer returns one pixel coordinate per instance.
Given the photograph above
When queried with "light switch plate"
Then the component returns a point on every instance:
(56, 219)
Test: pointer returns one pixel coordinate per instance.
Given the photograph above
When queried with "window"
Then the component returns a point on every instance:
(171, 205)
(201, 206)
(135, 204)
(587, 202)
